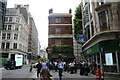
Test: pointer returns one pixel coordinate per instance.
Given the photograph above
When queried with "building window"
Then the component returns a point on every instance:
(8, 36)
(58, 20)
(3, 46)
(7, 45)
(9, 27)
(58, 42)
(17, 20)
(16, 36)
(6, 19)
(3, 36)
(14, 45)
(5, 27)
(17, 27)
(104, 21)
(10, 19)
(58, 30)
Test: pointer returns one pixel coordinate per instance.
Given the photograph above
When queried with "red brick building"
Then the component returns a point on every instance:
(60, 29)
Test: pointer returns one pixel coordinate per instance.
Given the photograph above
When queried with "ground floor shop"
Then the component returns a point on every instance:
(67, 57)
(107, 56)
(11, 56)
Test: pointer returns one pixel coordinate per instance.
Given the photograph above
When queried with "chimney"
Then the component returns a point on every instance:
(50, 11)
(70, 11)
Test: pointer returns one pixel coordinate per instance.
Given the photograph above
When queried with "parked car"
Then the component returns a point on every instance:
(9, 65)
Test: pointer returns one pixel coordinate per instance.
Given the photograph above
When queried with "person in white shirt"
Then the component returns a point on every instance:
(44, 65)
(71, 67)
(61, 67)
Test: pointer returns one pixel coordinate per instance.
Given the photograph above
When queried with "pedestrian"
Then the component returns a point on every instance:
(72, 67)
(45, 75)
(44, 65)
(60, 67)
(81, 64)
(38, 66)
(31, 67)
(86, 69)
(75, 66)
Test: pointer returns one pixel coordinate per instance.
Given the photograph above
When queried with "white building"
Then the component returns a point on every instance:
(15, 35)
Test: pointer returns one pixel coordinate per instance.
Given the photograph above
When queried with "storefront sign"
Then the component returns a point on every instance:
(109, 59)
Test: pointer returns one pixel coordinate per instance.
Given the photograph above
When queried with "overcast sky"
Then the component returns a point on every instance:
(39, 10)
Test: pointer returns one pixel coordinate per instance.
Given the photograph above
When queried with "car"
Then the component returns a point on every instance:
(9, 65)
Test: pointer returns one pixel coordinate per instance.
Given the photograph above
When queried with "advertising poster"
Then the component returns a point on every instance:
(109, 59)
(19, 60)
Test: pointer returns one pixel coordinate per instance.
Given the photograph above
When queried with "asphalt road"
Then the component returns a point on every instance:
(17, 73)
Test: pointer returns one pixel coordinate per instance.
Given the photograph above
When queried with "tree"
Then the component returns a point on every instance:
(78, 22)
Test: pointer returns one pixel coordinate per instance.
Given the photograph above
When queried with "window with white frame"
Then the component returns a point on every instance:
(16, 36)
(6, 19)
(8, 36)
(3, 46)
(17, 20)
(5, 27)
(9, 27)
(17, 27)
(14, 45)
(58, 42)
(7, 45)
(10, 19)
(3, 36)
(58, 30)
(58, 20)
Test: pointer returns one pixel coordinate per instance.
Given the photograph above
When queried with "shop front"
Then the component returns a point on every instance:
(67, 57)
(107, 56)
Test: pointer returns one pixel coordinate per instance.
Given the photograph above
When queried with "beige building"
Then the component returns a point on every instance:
(19, 34)
(14, 35)
(101, 24)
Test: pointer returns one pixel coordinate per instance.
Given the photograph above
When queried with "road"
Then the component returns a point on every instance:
(23, 74)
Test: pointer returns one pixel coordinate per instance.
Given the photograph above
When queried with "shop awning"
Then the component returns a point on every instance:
(110, 45)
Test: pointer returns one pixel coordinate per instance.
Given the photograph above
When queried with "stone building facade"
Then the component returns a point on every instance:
(101, 24)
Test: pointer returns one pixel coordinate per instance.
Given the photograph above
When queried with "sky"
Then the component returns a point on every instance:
(39, 11)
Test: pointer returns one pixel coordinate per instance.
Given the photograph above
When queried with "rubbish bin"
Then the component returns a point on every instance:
(98, 74)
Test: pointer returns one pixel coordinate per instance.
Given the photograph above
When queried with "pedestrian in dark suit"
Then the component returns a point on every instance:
(38, 66)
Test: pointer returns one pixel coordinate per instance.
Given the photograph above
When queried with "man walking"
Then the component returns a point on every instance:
(38, 66)
(61, 67)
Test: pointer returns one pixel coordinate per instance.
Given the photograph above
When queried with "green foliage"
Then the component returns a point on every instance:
(78, 22)
(62, 49)
(43, 59)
